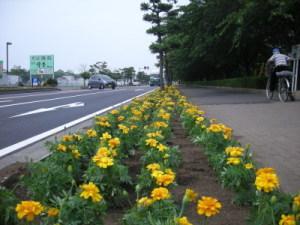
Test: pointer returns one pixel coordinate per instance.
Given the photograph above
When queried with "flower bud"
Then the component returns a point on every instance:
(273, 199)
(70, 168)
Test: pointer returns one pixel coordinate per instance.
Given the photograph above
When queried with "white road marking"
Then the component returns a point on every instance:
(41, 110)
(140, 89)
(52, 99)
(2, 101)
(29, 141)
(14, 96)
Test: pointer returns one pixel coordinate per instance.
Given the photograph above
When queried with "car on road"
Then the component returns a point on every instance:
(101, 81)
(154, 81)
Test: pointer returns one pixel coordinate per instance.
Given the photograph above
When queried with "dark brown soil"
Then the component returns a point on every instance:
(195, 173)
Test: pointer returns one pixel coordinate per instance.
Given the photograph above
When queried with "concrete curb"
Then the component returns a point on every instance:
(29, 90)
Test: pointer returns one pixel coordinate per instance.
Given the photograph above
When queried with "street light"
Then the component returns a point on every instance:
(7, 44)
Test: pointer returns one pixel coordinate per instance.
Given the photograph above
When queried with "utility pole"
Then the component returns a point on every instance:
(7, 44)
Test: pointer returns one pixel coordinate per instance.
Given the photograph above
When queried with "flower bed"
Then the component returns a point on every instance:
(87, 173)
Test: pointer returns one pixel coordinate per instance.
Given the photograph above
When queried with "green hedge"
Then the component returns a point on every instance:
(240, 82)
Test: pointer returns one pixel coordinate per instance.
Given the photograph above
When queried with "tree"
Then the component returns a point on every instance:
(128, 73)
(100, 67)
(21, 72)
(85, 75)
(156, 13)
(59, 73)
(142, 77)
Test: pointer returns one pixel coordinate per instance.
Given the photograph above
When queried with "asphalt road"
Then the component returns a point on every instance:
(23, 116)
(271, 128)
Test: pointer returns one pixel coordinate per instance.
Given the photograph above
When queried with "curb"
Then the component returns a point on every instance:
(29, 90)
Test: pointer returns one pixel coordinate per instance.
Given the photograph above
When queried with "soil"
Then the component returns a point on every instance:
(194, 173)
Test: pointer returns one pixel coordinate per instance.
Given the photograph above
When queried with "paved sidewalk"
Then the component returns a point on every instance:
(272, 128)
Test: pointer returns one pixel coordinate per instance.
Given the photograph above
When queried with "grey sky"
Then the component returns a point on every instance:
(76, 32)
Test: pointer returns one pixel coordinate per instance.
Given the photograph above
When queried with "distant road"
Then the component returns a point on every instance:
(24, 117)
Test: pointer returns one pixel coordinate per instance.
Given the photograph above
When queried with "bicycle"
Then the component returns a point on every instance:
(284, 86)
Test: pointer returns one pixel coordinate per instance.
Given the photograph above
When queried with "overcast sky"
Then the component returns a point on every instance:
(76, 32)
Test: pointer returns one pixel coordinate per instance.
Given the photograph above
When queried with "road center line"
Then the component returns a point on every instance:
(52, 99)
(29, 141)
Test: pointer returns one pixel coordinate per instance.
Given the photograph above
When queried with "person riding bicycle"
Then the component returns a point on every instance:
(280, 62)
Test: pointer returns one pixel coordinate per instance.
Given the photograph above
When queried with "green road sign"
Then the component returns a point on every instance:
(42, 64)
(1, 68)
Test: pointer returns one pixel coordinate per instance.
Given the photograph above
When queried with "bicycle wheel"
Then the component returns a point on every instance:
(269, 93)
(283, 89)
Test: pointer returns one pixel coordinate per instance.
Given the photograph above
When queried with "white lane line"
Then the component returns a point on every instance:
(52, 99)
(41, 110)
(3, 101)
(29, 141)
(43, 94)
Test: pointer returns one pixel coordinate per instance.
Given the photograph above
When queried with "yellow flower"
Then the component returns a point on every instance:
(67, 138)
(102, 152)
(114, 112)
(296, 200)
(199, 119)
(103, 124)
(249, 166)
(91, 133)
(161, 147)
(265, 170)
(183, 221)
(105, 136)
(52, 212)
(160, 193)
(123, 128)
(103, 162)
(132, 127)
(136, 112)
(113, 143)
(77, 137)
(29, 210)
(76, 154)
(61, 148)
(121, 118)
(159, 124)
(208, 206)
(215, 128)
(266, 182)
(151, 142)
(90, 190)
(165, 179)
(233, 161)
(190, 195)
(234, 151)
(153, 166)
(145, 201)
(287, 220)
(154, 134)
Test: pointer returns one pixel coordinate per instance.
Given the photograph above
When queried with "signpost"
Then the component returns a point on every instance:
(1, 68)
(296, 57)
(41, 65)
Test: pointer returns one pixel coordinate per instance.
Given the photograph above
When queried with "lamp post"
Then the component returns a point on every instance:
(7, 44)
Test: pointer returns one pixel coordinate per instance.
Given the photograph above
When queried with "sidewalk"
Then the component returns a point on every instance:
(272, 128)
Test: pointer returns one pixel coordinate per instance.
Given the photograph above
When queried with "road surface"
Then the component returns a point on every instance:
(24, 116)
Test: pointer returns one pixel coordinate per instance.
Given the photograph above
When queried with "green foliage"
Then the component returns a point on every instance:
(8, 202)
(220, 39)
(242, 82)
(47, 179)
(51, 82)
(74, 210)
(160, 212)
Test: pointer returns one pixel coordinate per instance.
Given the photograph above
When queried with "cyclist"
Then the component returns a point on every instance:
(280, 62)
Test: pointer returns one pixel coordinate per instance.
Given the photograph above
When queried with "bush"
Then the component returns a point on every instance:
(240, 82)
(51, 82)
